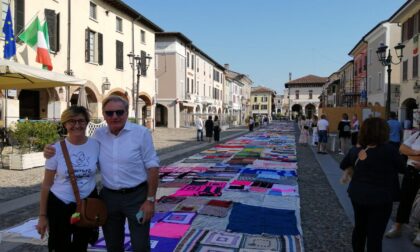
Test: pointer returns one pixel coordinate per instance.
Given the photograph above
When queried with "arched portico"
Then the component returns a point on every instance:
(310, 110)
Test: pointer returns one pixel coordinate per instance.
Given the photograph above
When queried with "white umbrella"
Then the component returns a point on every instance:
(82, 99)
(14, 75)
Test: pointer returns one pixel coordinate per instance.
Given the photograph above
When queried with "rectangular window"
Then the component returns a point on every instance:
(192, 86)
(197, 87)
(143, 63)
(188, 85)
(93, 47)
(264, 99)
(143, 36)
(4, 6)
(297, 94)
(118, 24)
(92, 10)
(310, 94)
(188, 59)
(53, 29)
(255, 107)
(263, 107)
(380, 81)
(410, 27)
(19, 17)
(198, 65)
(120, 55)
(255, 99)
(192, 61)
(405, 70)
(415, 66)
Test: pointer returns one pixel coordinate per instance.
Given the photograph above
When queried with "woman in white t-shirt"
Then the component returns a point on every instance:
(57, 203)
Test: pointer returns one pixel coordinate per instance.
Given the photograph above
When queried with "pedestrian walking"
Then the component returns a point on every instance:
(304, 130)
(395, 130)
(58, 202)
(199, 127)
(323, 127)
(130, 176)
(409, 186)
(374, 184)
(344, 134)
(209, 128)
(354, 130)
(314, 127)
(216, 129)
(251, 124)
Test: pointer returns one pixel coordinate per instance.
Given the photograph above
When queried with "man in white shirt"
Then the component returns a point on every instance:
(129, 169)
(199, 127)
(322, 134)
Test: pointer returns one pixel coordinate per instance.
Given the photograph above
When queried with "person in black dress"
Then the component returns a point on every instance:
(209, 128)
(216, 129)
(374, 184)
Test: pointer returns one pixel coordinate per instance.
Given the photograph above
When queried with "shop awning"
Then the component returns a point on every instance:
(14, 75)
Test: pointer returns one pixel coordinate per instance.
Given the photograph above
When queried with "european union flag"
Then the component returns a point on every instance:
(9, 43)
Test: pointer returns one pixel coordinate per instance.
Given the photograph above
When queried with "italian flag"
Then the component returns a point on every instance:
(36, 36)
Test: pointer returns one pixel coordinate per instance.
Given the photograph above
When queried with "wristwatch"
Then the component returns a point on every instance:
(151, 199)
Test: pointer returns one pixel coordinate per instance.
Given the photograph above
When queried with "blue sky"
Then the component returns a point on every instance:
(267, 39)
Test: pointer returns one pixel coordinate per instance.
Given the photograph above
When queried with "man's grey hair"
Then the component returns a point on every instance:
(115, 98)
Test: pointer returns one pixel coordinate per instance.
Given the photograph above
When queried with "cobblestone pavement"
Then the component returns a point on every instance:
(325, 225)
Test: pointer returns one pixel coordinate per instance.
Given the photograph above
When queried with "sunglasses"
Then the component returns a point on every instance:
(110, 113)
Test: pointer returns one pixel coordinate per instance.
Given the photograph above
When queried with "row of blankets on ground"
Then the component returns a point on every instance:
(238, 196)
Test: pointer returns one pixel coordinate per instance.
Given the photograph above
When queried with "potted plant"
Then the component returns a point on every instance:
(30, 137)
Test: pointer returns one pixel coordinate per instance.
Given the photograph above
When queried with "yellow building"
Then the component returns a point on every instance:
(262, 102)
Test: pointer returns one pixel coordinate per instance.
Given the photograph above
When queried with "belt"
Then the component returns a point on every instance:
(127, 190)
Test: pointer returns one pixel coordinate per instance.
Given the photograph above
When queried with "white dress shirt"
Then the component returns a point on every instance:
(123, 159)
(414, 143)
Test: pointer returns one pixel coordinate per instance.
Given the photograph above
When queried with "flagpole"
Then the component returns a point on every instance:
(27, 24)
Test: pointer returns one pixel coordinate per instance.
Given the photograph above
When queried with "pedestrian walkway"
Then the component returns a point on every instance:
(333, 173)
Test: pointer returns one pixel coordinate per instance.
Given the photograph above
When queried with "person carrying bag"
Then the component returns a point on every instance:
(90, 212)
(58, 201)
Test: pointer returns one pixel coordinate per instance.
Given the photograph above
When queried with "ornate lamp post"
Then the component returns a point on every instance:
(141, 63)
(387, 61)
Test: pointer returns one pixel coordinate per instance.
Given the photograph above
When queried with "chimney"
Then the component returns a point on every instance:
(227, 66)
(290, 76)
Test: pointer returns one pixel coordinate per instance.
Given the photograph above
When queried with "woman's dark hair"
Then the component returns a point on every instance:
(345, 116)
(374, 131)
(216, 118)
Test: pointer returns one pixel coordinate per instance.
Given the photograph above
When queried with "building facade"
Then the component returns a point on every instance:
(262, 102)
(89, 40)
(190, 83)
(408, 17)
(377, 79)
(304, 95)
(236, 100)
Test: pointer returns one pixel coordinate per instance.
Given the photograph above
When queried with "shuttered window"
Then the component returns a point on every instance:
(143, 63)
(19, 17)
(93, 47)
(415, 66)
(92, 10)
(120, 55)
(53, 21)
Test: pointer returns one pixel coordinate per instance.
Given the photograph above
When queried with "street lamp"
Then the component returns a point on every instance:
(386, 60)
(141, 63)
